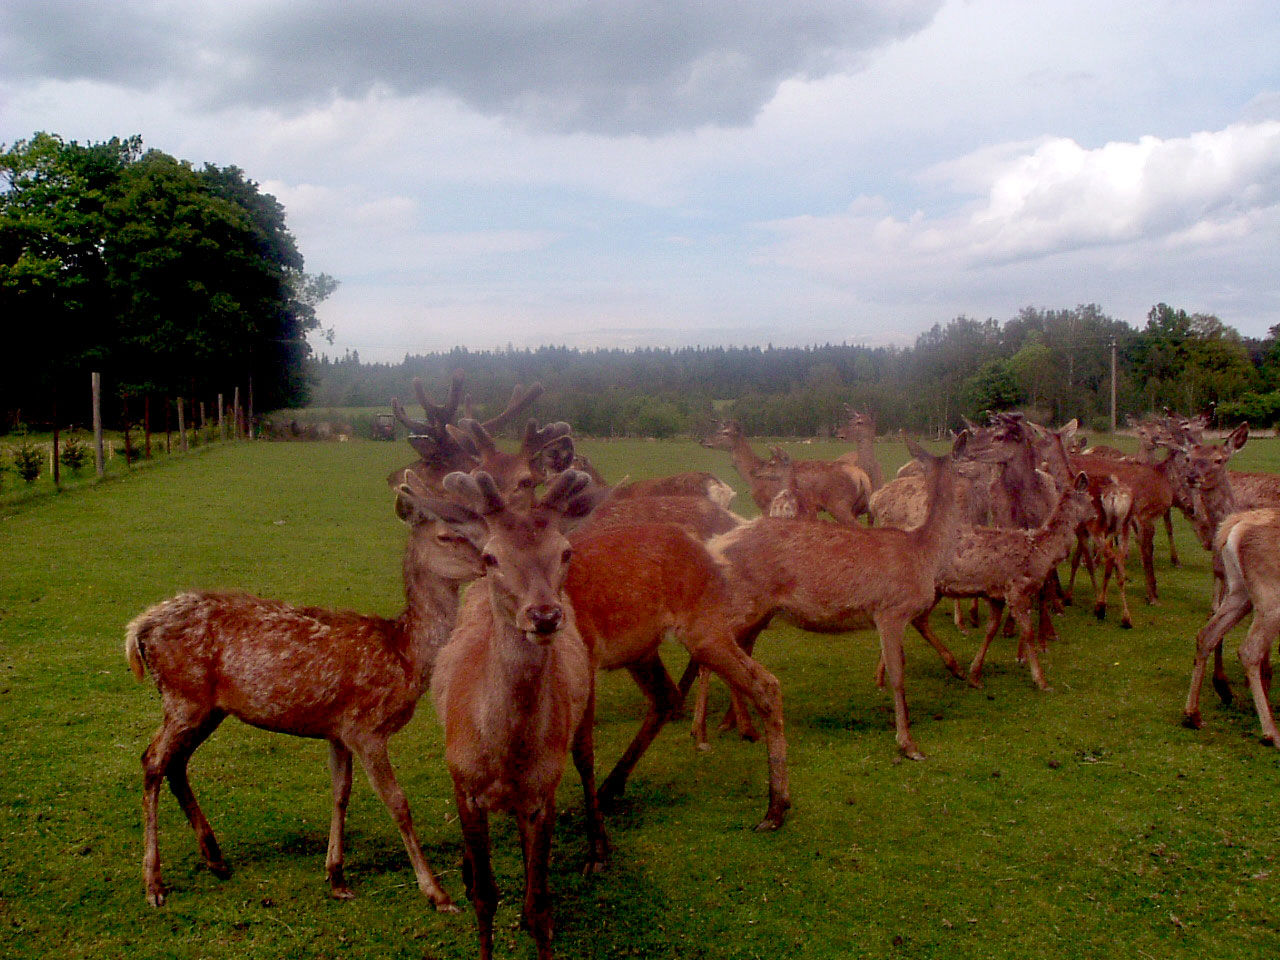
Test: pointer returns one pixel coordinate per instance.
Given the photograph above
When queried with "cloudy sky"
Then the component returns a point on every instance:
(641, 172)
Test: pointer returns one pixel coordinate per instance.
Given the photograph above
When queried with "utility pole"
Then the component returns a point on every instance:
(1113, 385)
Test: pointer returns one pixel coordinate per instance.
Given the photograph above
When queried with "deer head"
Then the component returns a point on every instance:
(525, 552)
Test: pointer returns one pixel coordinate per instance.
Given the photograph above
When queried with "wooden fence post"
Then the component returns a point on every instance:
(182, 424)
(222, 423)
(96, 383)
(235, 412)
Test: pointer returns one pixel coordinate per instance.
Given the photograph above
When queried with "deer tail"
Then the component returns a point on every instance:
(133, 646)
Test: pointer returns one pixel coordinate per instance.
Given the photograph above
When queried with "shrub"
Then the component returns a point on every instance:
(74, 453)
(28, 458)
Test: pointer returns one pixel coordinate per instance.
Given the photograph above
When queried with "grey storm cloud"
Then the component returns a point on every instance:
(617, 68)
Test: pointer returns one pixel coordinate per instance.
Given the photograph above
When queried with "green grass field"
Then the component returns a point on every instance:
(1081, 823)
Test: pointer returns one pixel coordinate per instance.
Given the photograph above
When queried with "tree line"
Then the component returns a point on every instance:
(168, 279)
(1054, 364)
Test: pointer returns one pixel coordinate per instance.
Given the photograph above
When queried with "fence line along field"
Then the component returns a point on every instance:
(1071, 823)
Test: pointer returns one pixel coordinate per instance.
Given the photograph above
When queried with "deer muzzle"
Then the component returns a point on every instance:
(543, 621)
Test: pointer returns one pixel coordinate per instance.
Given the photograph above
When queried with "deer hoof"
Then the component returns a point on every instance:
(1126, 623)
(912, 753)
(1100, 612)
(975, 681)
(342, 892)
(447, 906)
(156, 897)
(594, 866)
(220, 870)
(1193, 720)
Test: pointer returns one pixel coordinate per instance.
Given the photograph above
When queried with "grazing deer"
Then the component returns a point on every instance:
(832, 578)
(840, 490)
(350, 679)
(860, 429)
(1008, 567)
(515, 690)
(1248, 543)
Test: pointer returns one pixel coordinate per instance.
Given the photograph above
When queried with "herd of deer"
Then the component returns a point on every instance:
(585, 577)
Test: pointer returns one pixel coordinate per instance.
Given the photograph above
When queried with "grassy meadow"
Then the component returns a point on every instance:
(1079, 823)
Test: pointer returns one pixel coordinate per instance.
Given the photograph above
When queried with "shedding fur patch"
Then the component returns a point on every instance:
(717, 545)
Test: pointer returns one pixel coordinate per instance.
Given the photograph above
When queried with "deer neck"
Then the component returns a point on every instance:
(744, 458)
(428, 619)
(1019, 482)
(936, 538)
(1217, 501)
(867, 459)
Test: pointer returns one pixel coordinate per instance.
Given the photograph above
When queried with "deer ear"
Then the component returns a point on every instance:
(1239, 437)
(1069, 428)
(1082, 481)
(961, 442)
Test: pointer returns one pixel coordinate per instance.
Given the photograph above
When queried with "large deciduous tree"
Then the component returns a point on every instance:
(164, 277)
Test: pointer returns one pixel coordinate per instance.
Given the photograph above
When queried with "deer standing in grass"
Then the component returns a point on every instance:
(860, 430)
(515, 690)
(1008, 567)
(350, 679)
(1248, 544)
(832, 578)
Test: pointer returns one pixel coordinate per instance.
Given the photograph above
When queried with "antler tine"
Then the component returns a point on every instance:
(535, 439)
(521, 399)
(477, 489)
(435, 412)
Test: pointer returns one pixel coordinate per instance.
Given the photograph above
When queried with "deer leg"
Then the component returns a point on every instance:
(891, 630)
(535, 841)
(1254, 653)
(1168, 529)
(1020, 612)
(373, 757)
(1049, 590)
(737, 716)
(665, 700)
(699, 731)
(975, 619)
(975, 668)
(184, 728)
(477, 869)
(1122, 580)
(1146, 548)
(584, 760)
(762, 689)
(925, 629)
(340, 776)
(180, 785)
(1235, 606)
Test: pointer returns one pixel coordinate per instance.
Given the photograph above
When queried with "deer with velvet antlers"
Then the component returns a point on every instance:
(515, 690)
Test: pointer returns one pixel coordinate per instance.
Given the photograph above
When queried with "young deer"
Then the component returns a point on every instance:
(1008, 567)
(1249, 545)
(832, 578)
(839, 489)
(515, 690)
(350, 679)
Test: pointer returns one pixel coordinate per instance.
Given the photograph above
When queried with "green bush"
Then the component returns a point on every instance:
(28, 459)
(75, 453)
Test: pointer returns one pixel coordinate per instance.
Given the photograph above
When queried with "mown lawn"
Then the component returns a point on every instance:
(1085, 822)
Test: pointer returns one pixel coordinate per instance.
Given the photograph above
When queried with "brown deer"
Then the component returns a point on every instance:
(1008, 567)
(840, 490)
(1248, 543)
(350, 679)
(631, 588)
(515, 690)
(860, 430)
(699, 515)
(694, 483)
(832, 578)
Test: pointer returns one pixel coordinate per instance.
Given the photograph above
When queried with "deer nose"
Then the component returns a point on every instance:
(545, 618)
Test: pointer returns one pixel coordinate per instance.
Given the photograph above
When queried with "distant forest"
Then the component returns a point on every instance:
(1054, 364)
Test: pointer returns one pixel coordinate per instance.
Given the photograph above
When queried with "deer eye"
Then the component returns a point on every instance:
(489, 559)
(567, 555)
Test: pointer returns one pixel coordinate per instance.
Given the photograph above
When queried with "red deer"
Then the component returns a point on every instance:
(1008, 567)
(515, 690)
(838, 489)
(695, 483)
(633, 586)
(1248, 543)
(860, 429)
(832, 578)
(350, 679)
